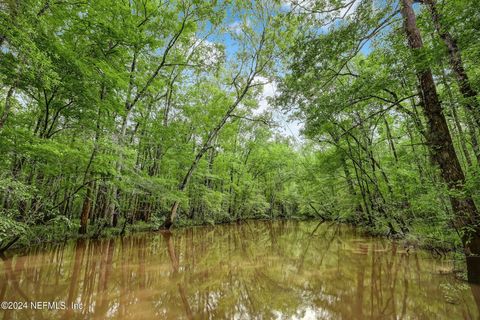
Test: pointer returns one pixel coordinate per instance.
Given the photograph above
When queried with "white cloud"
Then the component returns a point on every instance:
(287, 127)
(285, 5)
(238, 26)
(207, 50)
(269, 90)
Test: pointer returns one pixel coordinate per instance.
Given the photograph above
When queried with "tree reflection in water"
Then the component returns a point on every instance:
(250, 270)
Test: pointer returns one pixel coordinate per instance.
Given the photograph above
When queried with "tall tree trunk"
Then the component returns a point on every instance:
(88, 197)
(456, 62)
(360, 183)
(87, 203)
(472, 130)
(129, 104)
(8, 106)
(456, 120)
(405, 202)
(440, 141)
(173, 212)
(348, 176)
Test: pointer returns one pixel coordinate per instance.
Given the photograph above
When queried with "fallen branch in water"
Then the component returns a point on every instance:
(316, 211)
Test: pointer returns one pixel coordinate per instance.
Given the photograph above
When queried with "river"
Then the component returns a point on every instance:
(254, 270)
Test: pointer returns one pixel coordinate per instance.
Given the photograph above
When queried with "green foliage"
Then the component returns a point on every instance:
(10, 229)
(114, 101)
(123, 109)
(354, 86)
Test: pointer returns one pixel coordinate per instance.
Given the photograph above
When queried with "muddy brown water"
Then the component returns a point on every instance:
(255, 270)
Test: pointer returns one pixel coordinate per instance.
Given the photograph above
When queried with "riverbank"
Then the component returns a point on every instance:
(430, 238)
(61, 230)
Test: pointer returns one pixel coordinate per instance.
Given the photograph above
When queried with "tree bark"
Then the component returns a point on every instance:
(360, 183)
(440, 142)
(87, 203)
(456, 120)
(456, 63)
(8, 106)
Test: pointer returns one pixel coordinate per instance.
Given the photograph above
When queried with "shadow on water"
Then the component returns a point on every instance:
(242, 271)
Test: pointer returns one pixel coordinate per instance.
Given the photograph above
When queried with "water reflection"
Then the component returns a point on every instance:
(259, 270)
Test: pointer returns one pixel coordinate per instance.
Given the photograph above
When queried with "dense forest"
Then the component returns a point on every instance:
(122, 115)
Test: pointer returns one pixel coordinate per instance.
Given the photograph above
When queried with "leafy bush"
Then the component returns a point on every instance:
(10, 229)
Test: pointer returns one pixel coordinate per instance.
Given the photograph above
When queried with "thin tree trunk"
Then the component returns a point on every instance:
(206, 145)
(360, 183)
(456, 62)
(8, 106)
(472, 130)
(405, 202)
(87, 203)
(456, 120)
(440, 141)
(390, 140)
